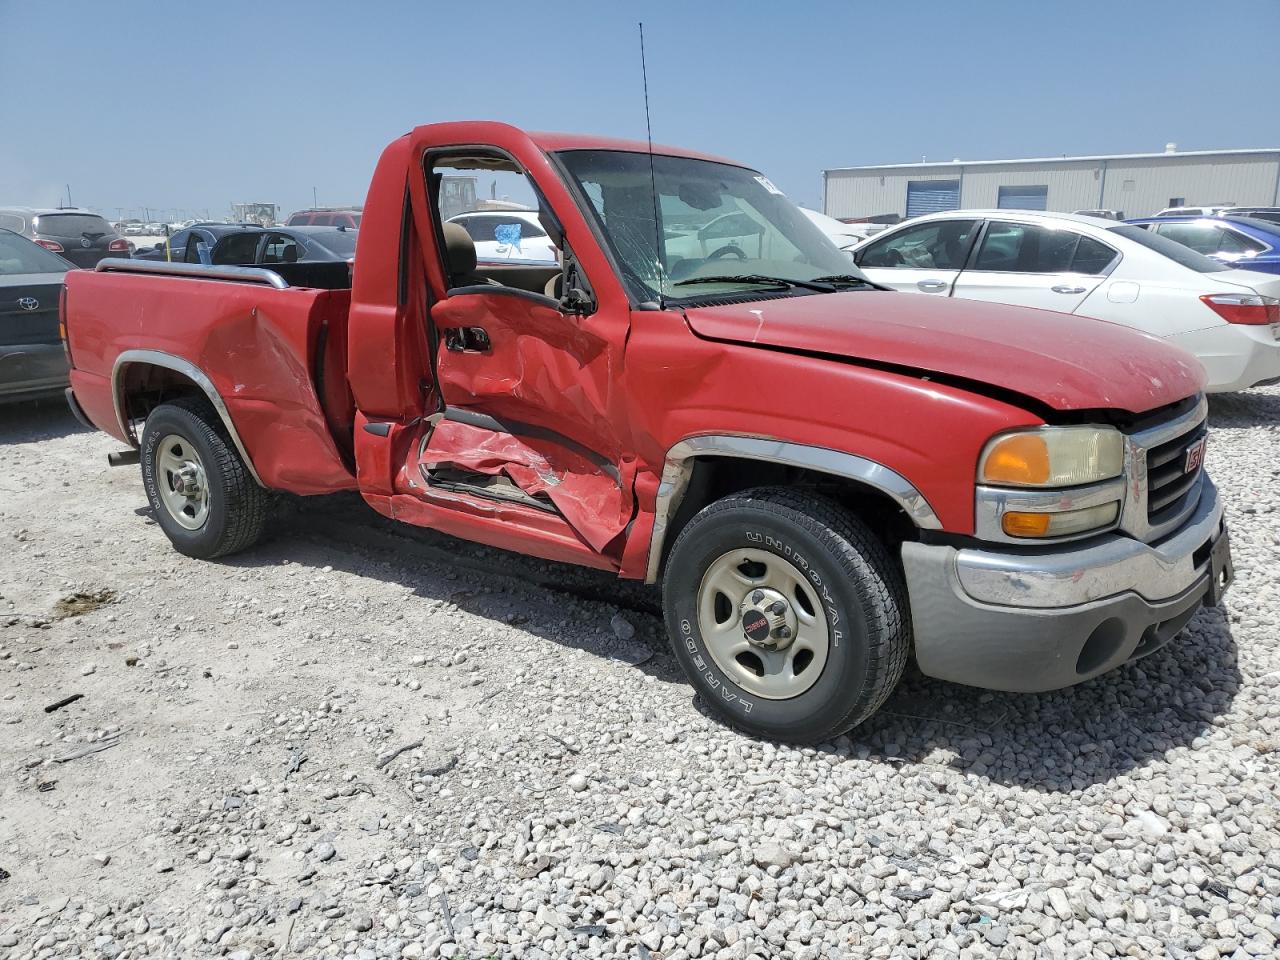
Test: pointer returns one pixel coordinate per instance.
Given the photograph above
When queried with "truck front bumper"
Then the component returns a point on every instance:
(1046, 619)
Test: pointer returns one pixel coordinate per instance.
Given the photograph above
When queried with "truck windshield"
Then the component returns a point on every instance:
(715, 220)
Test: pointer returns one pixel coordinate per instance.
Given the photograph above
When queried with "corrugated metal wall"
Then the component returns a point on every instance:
(1072, 186)
(1139, 187)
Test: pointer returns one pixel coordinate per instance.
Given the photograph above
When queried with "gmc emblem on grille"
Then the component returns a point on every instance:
(1195, 456)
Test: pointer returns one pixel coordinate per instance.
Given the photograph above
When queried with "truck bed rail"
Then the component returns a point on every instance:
(195, 271)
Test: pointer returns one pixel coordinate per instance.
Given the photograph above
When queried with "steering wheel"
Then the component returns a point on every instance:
(727, 249)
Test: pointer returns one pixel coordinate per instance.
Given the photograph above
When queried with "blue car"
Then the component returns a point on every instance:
(1242, 242)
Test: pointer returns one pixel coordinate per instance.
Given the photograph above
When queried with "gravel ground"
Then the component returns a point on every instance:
(361, 740)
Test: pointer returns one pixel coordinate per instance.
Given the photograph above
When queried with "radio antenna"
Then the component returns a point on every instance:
(653, 179)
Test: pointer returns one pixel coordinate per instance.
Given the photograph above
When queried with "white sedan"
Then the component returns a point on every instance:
(1230, 319)
(501, 235)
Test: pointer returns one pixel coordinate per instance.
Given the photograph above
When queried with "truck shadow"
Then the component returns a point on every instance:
(1055, 742)
(1249, 408)
(571, 606)
(30, 421)
(1069, 739)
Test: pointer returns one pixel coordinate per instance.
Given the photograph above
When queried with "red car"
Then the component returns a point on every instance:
(348, 217)
(825, 477)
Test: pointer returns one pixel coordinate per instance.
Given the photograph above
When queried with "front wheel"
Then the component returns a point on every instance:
(787, 614)
(199, 488)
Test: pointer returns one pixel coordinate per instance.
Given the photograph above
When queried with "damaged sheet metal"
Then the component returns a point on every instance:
(270, 352)
(551, 384)
(585, 490)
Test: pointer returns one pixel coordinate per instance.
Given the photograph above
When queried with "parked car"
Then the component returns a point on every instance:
(844, 235)
(263, 245)
(1092, 268)
(1101, 214)
(827, 478)
(507, 235)
(32, 361)
(193, 244)
(1270, 214)
(1239, 241)
(79, 236)
(326, 217)
(134, 229)
(1193, 211)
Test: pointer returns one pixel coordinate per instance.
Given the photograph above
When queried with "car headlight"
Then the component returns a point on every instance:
(1052, 457)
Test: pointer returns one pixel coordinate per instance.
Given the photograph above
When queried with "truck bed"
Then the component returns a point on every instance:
(274, 353)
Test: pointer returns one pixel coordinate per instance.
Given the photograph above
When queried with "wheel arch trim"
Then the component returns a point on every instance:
(678, 470)
(168, 361)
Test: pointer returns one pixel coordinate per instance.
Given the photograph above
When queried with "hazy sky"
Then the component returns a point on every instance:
(191, 105)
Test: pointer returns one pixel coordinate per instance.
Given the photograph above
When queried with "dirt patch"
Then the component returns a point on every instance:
(78, 604)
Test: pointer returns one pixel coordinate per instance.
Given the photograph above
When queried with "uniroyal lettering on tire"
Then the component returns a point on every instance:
(821, 595)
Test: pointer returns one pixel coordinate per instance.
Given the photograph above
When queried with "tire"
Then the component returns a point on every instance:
(228, 511)
(841, 578)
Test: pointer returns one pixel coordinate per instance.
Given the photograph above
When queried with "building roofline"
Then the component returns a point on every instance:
(952, 164)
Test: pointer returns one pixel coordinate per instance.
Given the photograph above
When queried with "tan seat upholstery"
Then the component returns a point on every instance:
(460, 257)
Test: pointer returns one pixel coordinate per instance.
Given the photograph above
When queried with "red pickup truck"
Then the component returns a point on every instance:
(825, 477)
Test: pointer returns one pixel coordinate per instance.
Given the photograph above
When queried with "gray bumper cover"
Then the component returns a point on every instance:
(1050, 619)
(32, 370)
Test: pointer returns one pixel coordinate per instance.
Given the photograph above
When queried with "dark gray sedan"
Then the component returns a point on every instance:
(81, 236)
(32, 361)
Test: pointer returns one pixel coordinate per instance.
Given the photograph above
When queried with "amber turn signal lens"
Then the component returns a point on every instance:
(1022, 458)
(1025, 524)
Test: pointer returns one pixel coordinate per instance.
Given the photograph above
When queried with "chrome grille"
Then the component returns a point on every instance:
(1160, 493)
(1168, 482)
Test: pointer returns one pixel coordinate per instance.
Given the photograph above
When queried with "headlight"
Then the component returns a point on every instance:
(1052, 457)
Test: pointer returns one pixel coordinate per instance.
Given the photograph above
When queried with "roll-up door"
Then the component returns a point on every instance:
(932, 196)
(1023, 198)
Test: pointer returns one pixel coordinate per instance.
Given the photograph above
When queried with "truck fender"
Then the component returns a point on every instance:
(678, 468)
(186, 368)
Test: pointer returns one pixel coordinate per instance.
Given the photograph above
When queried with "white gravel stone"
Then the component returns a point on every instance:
(1132, 815)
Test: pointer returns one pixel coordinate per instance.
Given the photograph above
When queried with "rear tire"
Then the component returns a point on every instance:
(199, 488)
(787, 613)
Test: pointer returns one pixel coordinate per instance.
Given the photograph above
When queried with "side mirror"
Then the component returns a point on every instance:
(576, 301)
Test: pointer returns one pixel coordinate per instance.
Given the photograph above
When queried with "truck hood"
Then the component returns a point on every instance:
(1063, 361)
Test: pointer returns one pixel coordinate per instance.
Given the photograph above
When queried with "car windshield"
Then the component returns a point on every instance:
(1175, 251)
(20, 256)
(715, 220)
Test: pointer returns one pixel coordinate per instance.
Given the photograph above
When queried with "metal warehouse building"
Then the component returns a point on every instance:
(1138, 184)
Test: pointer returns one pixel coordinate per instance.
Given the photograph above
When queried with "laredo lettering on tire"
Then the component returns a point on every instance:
(787, 614)
(199, 489)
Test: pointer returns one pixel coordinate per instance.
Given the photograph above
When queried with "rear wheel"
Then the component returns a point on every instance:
(199, 488)
(787, 613)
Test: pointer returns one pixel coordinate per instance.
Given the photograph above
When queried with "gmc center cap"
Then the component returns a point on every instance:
(756, 626)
